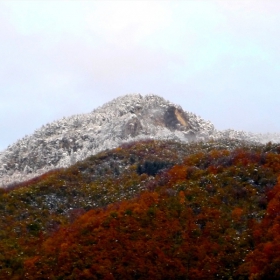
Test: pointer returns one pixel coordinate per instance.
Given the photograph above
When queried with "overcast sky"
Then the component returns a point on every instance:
(217, 59)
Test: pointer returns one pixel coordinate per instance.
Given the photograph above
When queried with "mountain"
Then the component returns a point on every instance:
(148, 210)
(128, 118)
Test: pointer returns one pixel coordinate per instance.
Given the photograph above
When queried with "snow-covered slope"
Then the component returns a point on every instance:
(130, 117)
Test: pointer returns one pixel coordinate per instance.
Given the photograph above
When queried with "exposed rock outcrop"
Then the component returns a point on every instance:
(130, 117)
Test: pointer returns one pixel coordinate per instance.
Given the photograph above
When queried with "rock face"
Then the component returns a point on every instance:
(127, 118)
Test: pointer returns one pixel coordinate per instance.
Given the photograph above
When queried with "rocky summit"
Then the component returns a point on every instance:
(128, 118)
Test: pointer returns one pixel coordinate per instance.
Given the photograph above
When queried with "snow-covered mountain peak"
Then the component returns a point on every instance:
(129, 117)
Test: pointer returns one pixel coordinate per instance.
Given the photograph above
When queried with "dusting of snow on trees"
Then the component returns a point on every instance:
(128, 118)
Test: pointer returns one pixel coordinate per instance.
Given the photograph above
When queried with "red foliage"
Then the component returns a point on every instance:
(264, 261)
(196, 220)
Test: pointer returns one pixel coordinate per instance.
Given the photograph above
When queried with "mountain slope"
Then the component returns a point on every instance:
(127, 118)
(147, 210)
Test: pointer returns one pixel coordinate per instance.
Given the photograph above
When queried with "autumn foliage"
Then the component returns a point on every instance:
(149, 210)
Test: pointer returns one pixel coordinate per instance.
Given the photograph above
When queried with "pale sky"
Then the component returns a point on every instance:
(218, 59)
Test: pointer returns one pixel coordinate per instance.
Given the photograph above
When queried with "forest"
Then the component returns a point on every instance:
(148, 210)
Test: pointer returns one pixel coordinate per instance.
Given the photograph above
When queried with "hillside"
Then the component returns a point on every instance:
(148, 210)
(130, 117)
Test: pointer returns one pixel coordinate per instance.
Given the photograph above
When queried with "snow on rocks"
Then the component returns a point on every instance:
(126, 118)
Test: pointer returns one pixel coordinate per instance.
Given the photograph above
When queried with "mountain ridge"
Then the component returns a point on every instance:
(131, 117)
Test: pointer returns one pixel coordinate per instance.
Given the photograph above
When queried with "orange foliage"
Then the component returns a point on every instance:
(236, 213)
(178, 172)
(100, 219)
(264, 261)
